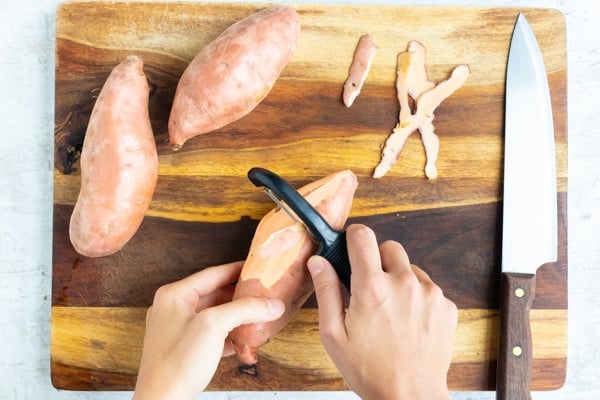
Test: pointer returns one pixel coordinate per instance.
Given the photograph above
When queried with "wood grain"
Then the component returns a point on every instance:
(86, 337)
(204, 210)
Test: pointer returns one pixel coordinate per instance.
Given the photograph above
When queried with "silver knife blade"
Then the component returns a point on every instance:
(529, 235)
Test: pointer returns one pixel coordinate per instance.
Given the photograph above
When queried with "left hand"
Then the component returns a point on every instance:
(186, 331)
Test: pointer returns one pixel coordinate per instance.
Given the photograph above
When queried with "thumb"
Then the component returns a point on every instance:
(328, 290)
(247, 310)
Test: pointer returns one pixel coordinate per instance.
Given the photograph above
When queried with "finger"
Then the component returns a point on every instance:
(190, 291)
(218, 296)
(422, 276)
(393, 257)
(363, 251)
(330, 299)
(148, 316)
(211, 278)
(248, 310)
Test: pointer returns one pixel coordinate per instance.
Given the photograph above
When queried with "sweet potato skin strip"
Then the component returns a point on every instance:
(412, 80)
(359, 69)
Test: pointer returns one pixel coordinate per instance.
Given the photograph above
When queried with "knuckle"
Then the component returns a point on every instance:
(162, 293)
(435, 291)
(410, 281)
(207, 317)
(375, 289)
(452, 310)
(393, 247)
(359, 231)
(329, 335)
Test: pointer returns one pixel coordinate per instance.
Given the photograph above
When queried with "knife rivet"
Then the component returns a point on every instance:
(517, 351)
(519, 292)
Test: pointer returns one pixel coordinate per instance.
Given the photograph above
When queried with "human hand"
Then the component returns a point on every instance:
(186, 332)
(395, 339)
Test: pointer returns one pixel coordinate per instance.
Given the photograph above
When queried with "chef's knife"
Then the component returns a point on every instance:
(529, 231)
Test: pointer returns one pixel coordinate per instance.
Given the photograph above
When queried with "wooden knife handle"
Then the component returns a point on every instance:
(517, 292)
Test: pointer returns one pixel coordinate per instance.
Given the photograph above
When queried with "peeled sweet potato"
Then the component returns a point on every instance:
(119, 164)
(276, 262)
(231, 75)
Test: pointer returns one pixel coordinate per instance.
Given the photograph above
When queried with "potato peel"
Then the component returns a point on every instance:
(412, 81)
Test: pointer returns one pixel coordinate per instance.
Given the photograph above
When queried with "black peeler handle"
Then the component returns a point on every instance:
(337, 255)
(332, 243)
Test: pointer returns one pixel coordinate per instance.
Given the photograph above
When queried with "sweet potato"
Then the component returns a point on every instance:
(231, 75)
(119, 164)
(276, 262)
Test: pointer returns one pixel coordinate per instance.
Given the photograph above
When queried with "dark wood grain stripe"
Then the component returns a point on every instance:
(457, 246)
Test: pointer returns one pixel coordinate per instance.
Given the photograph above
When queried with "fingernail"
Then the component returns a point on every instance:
(275, 306)
(315, 265)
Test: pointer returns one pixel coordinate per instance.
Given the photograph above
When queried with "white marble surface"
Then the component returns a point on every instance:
(26, 125)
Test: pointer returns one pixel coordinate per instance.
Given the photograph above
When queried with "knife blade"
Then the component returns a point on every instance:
(529, 223)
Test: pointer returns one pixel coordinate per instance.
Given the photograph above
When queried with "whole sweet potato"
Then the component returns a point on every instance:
(231, 75)
(119, 164)
(276, 262)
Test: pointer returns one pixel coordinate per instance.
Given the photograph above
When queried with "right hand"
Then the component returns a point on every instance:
(395, 339)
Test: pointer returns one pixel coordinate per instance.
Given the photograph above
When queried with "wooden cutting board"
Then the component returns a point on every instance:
(204, 211)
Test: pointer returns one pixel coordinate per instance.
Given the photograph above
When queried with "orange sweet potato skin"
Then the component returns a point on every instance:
(231, 75)
(276, 262)
(119, 164)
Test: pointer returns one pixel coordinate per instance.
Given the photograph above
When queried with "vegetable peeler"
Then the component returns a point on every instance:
(332, 243)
